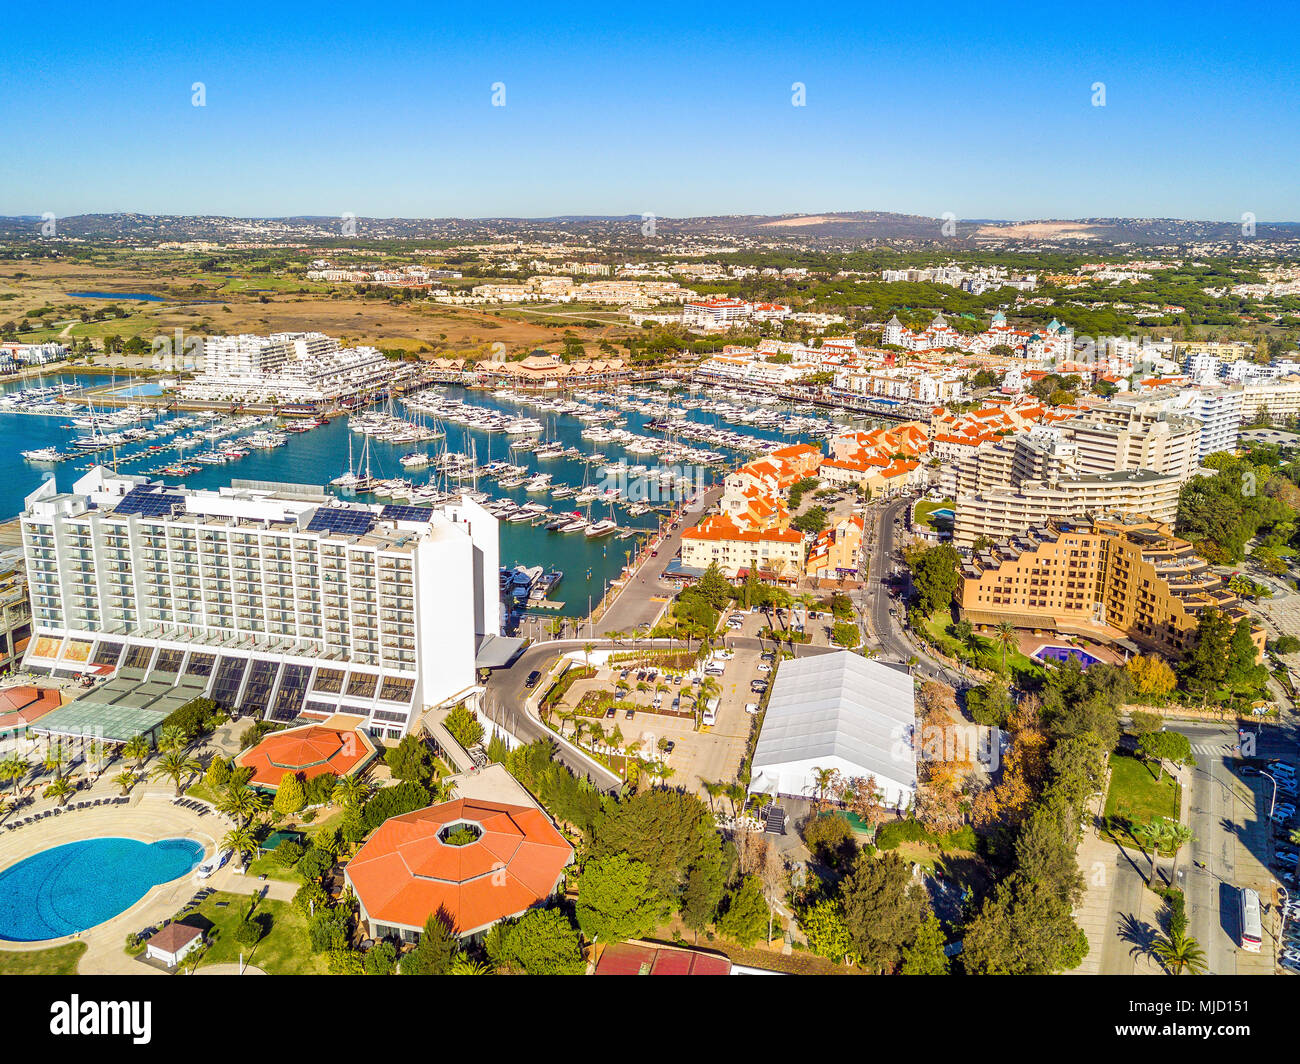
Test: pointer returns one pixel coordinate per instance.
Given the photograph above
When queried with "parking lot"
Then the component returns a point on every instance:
(712, 751)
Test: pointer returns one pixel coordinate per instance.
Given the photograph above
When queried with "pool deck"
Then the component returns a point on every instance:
(151, 816)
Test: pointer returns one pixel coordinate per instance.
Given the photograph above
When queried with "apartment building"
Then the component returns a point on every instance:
(1001, 513)
(15, 609)
(274, 600)
(286, 368)
(835, 551)
(1279, 398)
(1112, 578)
(738, 548)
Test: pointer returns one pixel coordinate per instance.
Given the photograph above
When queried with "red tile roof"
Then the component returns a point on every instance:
(629, 958)
(405, 872)
(311, 750)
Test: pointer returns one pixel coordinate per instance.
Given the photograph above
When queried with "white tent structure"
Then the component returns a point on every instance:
(839, 711)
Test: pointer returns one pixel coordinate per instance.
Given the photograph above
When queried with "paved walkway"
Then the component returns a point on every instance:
(152, 817)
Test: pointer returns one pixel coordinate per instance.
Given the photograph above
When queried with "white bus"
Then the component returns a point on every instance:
(1250, 926)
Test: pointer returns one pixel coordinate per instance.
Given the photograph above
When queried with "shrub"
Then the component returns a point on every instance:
(288, 854)
(289, 797)
(249, 932)
(315, 863)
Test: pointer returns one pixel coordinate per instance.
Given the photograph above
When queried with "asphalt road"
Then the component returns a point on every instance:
(635, 604)
(1228, 815)
(880, 546)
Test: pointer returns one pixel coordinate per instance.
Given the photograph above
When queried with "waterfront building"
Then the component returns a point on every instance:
(15, 609)
(273, 600)
(1115, 579)
(286, 368)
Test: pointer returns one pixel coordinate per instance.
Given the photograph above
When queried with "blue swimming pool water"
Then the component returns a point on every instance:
(70, 888)
(133, 391)
(1061, 654)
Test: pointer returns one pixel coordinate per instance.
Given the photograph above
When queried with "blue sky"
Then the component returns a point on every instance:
(682, 109)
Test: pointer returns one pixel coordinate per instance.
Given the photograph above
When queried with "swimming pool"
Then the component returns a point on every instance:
(131, 391)
(1062, 654)
(76, 886)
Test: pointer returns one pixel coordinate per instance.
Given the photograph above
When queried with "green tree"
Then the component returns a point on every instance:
(823, 924)
(935, 576)
(1179, 953)
(464, 726)
(380, 959)
(924, 955)
(744, 913)
(1165, 746)
(882, 909)
(433, 954)
(541, 942)
(289, 796)
(176, 766)
(617, 899)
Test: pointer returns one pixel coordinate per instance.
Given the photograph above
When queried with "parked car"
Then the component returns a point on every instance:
(751, 707)
(609, 713)
(630, 714)
(763, 666)
(758, 686)
(670, 747)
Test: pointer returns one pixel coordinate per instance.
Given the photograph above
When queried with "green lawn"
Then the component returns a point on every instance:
(1135, 794)
(923, 514)
(61, 960)
(939, 630)
(285, 949)
(272, 869)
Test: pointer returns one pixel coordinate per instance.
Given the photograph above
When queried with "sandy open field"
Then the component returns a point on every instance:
(233, 304)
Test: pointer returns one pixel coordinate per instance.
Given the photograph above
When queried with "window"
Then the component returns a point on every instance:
(362, 685)
(257, 693)
(225, 689)
(328, 680)
(288, 699)
(396, 690)
(200, 665)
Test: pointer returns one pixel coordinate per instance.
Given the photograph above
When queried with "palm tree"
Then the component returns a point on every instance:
(126, 779)
(60, 790)
(735, 793)
(1006, 639)
(1179, 953)
(713, 790)
(1148, 836)
(446, 789)
(823, 781)
(173, 737)
(351, 792)
(240, 840)
(137, 749)
(176, 765)
(463, 965)
(587, 648)
(241, 802)
(555, 627)
(54, 759)
(13, 769)
(1176, 836)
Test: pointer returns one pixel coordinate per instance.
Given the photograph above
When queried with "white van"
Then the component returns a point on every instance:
(710, 714)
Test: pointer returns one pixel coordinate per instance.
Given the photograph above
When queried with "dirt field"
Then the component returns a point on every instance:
(232, 304)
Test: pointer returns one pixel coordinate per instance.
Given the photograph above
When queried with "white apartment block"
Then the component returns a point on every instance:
(1001, 513)
(278, 599)
(1281, 398)
(285, 368)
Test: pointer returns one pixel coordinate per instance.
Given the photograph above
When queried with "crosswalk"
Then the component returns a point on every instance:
(1212, 748)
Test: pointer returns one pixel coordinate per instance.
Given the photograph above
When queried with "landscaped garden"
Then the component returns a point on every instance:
(1137, 794)
(60, 960)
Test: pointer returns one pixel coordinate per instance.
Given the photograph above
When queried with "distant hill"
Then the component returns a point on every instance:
(837, 227)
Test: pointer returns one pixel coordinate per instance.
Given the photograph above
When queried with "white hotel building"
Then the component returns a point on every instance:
(273, 600)
(285, 368)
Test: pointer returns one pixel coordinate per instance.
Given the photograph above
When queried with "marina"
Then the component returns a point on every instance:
(579, 482)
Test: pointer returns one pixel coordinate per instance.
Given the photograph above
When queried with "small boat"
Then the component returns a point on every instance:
(602, 528)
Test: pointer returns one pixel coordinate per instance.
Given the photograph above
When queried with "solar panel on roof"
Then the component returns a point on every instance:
(149, 502)
(394, 512)
(341, 519)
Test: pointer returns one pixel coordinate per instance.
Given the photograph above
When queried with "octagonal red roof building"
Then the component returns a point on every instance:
(408, 870)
